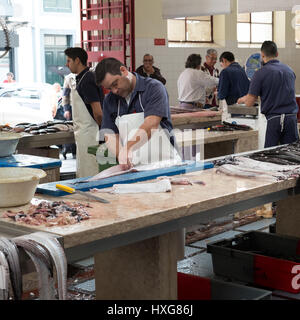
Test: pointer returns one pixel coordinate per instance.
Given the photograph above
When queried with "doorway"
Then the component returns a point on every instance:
(55, 46)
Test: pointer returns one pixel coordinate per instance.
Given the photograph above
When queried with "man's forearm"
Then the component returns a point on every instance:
(144, 133)
(97, 112)
(249, 100)
(112, 143)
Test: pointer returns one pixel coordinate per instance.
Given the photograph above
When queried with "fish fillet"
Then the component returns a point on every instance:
(118, 169)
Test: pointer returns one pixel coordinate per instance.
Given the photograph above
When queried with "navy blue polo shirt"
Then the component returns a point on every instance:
(275, 84)
(233, 83)
(88, 90)
(155, 101)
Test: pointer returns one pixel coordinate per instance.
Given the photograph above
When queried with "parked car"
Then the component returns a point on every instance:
(25, 102)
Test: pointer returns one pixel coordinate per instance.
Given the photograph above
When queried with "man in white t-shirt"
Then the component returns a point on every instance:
(192, 83)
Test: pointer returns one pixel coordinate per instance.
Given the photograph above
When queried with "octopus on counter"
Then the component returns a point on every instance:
(56, 213)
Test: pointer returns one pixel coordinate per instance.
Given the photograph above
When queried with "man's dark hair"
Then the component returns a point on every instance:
(77, 52)
(107, 65)
(227, 55)
(269, 48)
(193, 61)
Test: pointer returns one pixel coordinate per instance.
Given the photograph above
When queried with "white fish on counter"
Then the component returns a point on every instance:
(110, 172)
(118, 169)
(239, 171)
(152, 187)
(267, 166)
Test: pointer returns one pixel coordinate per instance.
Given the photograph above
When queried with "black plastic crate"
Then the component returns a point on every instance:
(259, 258)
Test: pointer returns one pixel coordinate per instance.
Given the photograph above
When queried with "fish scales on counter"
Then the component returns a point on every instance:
(57, 213)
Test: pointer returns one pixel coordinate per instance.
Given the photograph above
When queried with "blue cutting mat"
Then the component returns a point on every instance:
(29, 161)
(190, 166)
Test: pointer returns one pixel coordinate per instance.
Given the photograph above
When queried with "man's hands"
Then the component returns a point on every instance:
(241, 100)
(125, 158)
(67, 115)
(249, 100)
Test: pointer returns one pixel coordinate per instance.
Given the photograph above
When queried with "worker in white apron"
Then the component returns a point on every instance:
(86, 133)
(124, 119)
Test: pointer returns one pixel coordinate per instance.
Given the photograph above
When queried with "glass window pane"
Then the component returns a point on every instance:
(57, 5)
(298, 35)
(49, 4)
(243, 32)
(261, 32)
(176, 30)
(198, 30)
(262, 17)
(49, 41)
(202, 18)
(61, 40)
(243, 17)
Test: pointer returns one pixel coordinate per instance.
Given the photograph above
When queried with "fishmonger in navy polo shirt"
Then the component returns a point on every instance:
(233, 82)
(275, 84)
(154, 98)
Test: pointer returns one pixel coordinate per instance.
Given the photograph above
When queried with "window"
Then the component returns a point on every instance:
(193, 29)
(58, 5)
(297, 27)
(255, 27)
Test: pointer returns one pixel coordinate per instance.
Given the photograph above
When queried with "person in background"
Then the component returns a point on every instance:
(274, 83)
(87, 99)
(10, 78)
(57, 109)
(67, 108)
(234, 82)
(209, 68)
(148, 69)
(193, 83)
(66, 96)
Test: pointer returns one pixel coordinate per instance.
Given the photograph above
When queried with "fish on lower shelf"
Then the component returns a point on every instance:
(56, 213)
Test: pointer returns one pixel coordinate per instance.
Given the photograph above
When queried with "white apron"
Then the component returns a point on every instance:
(86, 133)
(157, 148)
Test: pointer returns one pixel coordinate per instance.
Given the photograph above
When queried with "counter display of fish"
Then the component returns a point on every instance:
(276, 164)
(46, 254)
(41, 128)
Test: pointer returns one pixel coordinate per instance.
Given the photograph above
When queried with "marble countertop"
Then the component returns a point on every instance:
(130, 212)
